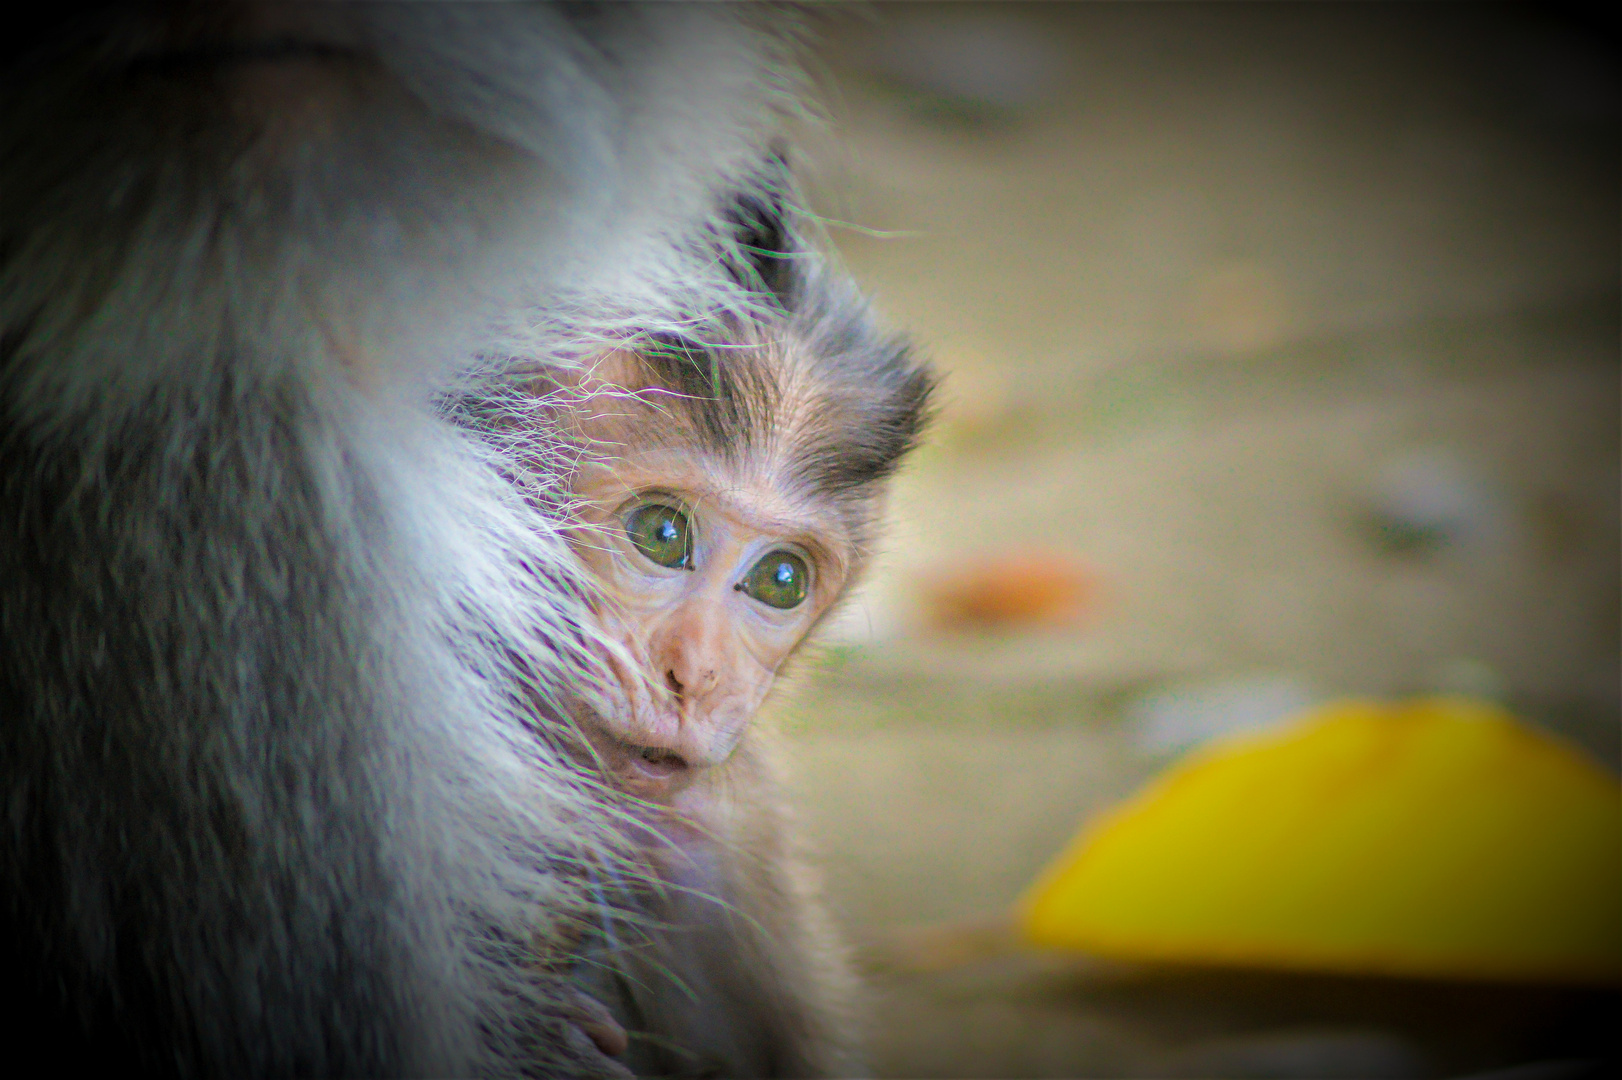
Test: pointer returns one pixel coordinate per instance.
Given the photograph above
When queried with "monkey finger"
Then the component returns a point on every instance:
(592, 1017)
(583, 1060)
(581, 1055)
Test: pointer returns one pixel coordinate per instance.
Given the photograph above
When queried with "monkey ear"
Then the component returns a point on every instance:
(767, 246)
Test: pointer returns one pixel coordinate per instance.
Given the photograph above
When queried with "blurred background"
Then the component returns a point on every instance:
(1281, 347)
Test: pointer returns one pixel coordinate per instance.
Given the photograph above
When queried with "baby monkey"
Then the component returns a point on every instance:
(727, 494)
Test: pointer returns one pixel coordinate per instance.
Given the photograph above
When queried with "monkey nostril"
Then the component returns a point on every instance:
(673, 683)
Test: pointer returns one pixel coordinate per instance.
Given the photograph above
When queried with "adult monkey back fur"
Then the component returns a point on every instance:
(271, 802)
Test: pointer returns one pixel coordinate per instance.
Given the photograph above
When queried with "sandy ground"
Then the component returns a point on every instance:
(1218, 291)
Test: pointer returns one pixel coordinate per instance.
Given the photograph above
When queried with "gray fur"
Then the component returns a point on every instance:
(274, 800)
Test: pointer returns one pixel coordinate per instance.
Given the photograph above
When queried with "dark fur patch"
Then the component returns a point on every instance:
(766, 242)
(726, 399)
(847, 399)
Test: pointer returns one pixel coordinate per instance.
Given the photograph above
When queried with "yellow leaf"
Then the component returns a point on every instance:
(1434, 838)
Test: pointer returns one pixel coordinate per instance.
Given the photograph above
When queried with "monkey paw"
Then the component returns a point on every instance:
(593, 1018)
(592, 1038)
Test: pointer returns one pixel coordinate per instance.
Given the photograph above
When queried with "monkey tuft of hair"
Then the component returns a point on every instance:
(766, 247)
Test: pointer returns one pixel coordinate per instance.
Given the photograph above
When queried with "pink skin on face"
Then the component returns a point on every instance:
(699, 652)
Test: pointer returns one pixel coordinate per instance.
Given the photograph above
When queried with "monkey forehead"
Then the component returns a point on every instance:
(617, 398)
(782, 474)
(620, 370)
(770, 406)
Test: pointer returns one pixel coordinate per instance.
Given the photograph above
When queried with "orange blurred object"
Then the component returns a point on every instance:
(1028, 586)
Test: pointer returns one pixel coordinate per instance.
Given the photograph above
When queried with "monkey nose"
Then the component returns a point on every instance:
(693, 646)
(689, 678)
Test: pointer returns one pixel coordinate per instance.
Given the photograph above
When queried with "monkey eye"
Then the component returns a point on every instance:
(662, 533)
(779, 579)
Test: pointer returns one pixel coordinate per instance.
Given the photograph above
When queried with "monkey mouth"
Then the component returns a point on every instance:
(656, 762)
(645, 770)
(648, 772)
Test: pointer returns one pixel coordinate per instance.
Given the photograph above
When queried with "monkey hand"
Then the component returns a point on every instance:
(596, 1022)
(590, 1036)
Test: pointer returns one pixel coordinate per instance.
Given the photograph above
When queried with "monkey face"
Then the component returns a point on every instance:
(711, 579)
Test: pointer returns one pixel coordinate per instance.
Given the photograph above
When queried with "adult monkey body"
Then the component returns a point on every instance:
(272, 801)
(727, 493)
